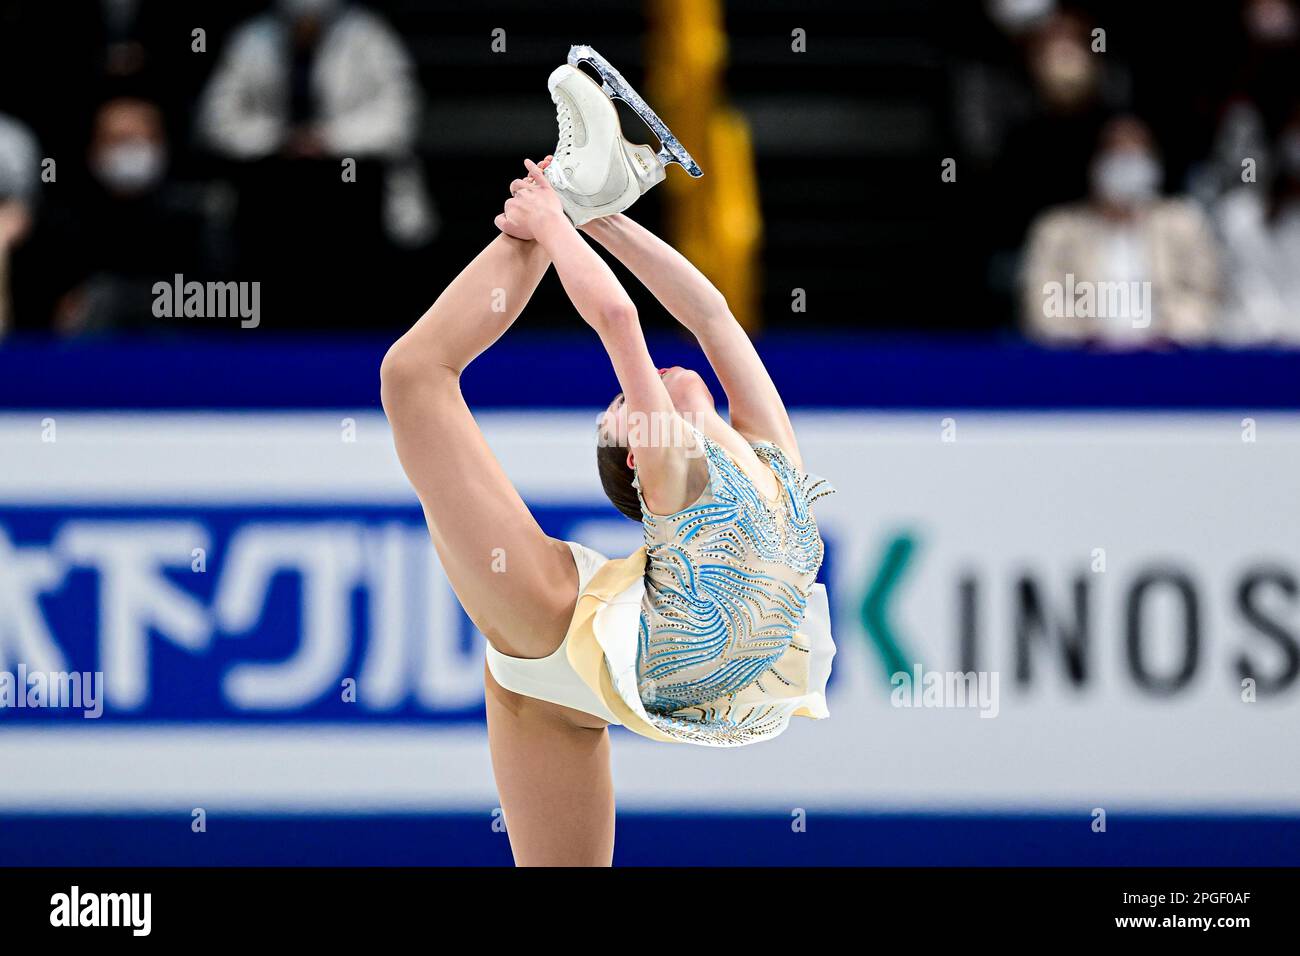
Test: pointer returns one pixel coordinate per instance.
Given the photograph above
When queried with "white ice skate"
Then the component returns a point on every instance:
(597, 172)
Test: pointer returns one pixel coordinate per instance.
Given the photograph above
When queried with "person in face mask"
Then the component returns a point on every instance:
(128, 155)
(1127, 266)
(1125, 173)
(133, 226)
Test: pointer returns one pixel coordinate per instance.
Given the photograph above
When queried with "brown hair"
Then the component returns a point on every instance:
(616, 478)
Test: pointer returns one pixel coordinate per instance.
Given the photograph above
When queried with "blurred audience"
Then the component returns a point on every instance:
(323, 79)
(1254, 95)
(1268, 66)
(286, 153)
(1028, 120)
(59, 61)
(1148, 262)
(19, 182)
(130, 226)
(315, 108)
(1259, 222)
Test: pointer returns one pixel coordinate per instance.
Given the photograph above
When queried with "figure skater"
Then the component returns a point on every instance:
(714, 632)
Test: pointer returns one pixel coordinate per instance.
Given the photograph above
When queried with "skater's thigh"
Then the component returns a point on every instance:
(517, 584)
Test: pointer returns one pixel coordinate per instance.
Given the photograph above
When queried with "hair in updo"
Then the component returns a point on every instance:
(616, 477)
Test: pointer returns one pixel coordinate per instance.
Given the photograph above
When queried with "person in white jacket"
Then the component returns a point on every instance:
(318, 79)
(1127, 267)
(1260, 226)
(19, 185)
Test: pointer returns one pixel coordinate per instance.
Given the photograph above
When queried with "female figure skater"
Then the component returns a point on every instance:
(714, 633)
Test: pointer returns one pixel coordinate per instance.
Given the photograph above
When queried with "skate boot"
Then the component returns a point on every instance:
(597, 172)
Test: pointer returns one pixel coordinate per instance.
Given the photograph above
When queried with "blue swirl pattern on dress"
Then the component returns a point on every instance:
(726, 588)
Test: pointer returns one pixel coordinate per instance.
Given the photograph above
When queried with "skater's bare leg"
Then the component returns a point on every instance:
(516, 583)
(553, 776)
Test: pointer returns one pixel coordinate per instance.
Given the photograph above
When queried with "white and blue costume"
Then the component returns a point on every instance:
(714, 633)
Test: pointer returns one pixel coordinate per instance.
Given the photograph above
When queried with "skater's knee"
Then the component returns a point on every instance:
(407, 367)
(399, 369)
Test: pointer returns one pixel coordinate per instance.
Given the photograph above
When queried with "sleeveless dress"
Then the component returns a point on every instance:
(728, 583)
(714, 632)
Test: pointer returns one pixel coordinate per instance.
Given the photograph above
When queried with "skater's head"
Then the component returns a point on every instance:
(616, 461)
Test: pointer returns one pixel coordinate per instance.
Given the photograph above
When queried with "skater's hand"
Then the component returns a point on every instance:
(534, 205)
(518, 184)
(503, 222)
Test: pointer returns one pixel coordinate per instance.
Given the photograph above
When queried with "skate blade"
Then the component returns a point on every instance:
(615, 87)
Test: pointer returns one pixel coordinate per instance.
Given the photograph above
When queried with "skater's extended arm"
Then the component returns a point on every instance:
(757, 411)
(605, 305)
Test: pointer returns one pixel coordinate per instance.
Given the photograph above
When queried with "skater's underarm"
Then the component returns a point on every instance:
(655, 434)
(756, 408)
(605, 305)
(757, 411)
(591, 286)
(680, 287)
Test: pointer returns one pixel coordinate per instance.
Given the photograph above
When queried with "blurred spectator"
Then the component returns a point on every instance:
(1268, 69)
(19, 180)
(1029, 105)
(1125, 246)
(296, 92)
(1240, 135)
(132, 227)
(1260, 226)
(83, 51)
(317, 79)
(992, 88)
(125, 50)
(1256, 94)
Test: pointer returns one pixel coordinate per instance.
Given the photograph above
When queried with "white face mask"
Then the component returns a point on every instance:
(131, 167)
(1126, 176)
(1018, 16)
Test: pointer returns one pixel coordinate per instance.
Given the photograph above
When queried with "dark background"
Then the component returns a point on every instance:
(848, 136)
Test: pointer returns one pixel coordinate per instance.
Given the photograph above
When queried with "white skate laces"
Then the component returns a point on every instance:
(564, 147)
(595, 171)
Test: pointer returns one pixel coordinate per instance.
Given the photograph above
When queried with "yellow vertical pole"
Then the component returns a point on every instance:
(714, 221)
